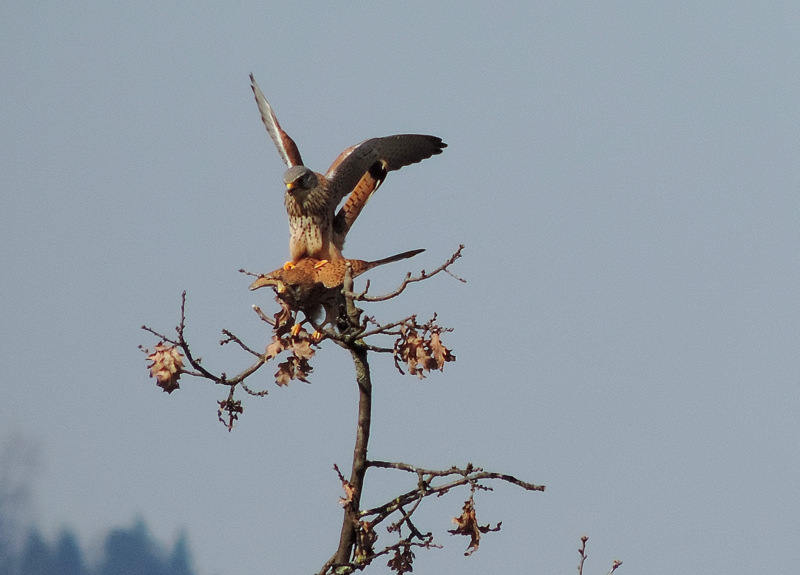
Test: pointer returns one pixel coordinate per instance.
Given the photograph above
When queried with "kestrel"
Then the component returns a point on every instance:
(312, 284)
(316, 229)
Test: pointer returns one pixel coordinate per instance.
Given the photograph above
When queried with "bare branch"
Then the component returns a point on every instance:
(617, 563)
(409, 279)
(385, 328)
(230, 337)
(418, 347)
(200, 370)
(475, 473)
(582, 551)
(263, 316)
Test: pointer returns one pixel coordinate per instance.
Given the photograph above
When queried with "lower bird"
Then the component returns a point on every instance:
(312, 284)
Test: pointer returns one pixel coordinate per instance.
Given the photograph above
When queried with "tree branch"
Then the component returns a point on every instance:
(359, 468)
(409, 279)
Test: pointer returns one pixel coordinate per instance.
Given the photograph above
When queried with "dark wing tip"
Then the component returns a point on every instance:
(406, 149)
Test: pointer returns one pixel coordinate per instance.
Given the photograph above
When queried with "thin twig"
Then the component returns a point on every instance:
(201, 371)
(230, 337)
(409, 279)
(469, 476)
(384, 329)
(263, 316)
(582, 551)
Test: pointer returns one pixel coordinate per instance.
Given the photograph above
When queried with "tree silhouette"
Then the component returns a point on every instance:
(180, 562)
(68, 559)
(37, 558)
(126, 551)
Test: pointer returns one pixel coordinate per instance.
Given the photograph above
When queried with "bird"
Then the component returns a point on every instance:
(316, 229)
(312, 284)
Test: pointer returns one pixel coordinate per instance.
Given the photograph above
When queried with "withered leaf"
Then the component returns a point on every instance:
(439, 352)
(467, 524)
(348, 493)
(167, 366)
(284, 321)
(233, 407)
(293, 368)
(285, 372)
(402, 560)
(365, 542)
(302, 348)
(275, 348)
(419, 354)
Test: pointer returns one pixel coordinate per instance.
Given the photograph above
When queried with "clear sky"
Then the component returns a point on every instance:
(623, 174)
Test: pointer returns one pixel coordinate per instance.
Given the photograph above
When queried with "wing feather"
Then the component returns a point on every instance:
(286, 146)
(393, 152)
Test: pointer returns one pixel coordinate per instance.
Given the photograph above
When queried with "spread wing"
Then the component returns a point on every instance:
(358, 198)
(286, 146)
(390, 153)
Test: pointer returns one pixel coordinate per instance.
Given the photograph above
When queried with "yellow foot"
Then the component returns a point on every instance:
(296, 329)
(288, 265)
(319, 264)
(316, 337)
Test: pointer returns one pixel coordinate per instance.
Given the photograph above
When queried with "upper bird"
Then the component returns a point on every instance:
(316, 229)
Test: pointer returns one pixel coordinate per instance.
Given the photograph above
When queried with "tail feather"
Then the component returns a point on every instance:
(390, 259)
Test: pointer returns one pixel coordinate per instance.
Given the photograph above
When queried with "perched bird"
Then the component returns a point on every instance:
(312, 284)
(316, 229)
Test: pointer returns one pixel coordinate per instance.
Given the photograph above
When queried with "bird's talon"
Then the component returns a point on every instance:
(288, 265)
(296, 329)
(319, 264)
(316, 337)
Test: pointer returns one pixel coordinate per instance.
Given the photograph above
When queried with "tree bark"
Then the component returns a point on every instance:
(347, 538)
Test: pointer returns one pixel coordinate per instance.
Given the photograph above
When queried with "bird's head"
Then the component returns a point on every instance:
(300, 180)
(272, 280)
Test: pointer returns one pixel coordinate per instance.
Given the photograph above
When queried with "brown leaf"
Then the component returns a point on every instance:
(410, 349)
(302, 348)
(167, 366)
(233, 407)
(365, 542)
(284, 321)
(293, 368)
(275, 348)
(439, 352)
(348, 493)
(421, 355)
(285, 373)
(402, 560)
(302, 369)
(467, 524)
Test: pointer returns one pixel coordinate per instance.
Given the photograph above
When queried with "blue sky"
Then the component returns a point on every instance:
(624, 177)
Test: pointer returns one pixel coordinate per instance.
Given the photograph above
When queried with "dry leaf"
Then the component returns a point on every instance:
(467, 524)
(419, 354)
(275, 348)
(302, 349)
(439, 352)
(348, 493)
(233, 408)
(284, 320)
(365, 544)
(167, 366)
(402, 560)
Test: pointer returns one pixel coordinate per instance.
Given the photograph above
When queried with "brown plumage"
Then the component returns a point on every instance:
(316, 229)
(312, 283)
